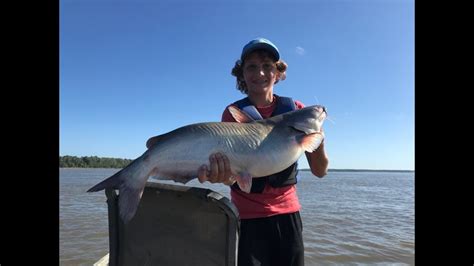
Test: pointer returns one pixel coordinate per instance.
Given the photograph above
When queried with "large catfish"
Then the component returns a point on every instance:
(255, 148)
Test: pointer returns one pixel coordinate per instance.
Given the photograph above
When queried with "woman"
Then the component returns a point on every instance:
(271, 227)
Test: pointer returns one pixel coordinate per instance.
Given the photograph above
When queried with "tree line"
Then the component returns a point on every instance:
(92, 162)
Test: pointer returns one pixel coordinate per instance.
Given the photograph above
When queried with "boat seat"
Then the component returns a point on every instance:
(174, 225)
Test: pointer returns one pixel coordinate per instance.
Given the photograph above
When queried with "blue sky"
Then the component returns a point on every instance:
(130, 70)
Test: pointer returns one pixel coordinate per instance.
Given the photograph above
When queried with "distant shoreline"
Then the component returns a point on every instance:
(69, 161)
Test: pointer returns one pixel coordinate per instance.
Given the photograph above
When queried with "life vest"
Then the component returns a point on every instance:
(286, 177)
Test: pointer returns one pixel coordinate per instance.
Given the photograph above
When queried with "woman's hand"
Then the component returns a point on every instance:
(219, 170)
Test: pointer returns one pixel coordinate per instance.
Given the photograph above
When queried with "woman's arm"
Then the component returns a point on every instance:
(318, 161)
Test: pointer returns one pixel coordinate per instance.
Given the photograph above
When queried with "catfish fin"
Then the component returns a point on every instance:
(239, 115)
(183, 179)
(252, 111)
(130, 190)
(152, 141)
(244, 180)
(310, 142)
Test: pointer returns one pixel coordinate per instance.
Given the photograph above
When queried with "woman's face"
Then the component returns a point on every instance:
(260, 73)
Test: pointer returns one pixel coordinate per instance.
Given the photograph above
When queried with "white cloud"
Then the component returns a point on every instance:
(300, 50)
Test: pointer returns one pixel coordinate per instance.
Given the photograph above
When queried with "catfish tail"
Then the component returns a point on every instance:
(112, 182)
(130, 182)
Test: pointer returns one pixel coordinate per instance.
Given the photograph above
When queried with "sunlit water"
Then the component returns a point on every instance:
(350, 218)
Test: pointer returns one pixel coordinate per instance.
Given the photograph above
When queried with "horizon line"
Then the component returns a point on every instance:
(301, 169)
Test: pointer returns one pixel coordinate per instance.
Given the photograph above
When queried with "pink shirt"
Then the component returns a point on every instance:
(271, 201)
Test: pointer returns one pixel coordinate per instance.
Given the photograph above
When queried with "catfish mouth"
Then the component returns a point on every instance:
(321, 109)
(321, 112)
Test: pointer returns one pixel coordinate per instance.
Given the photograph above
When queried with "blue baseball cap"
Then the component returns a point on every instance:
(260, 43)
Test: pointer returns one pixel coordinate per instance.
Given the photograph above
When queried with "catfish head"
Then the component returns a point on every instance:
(308, 120)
